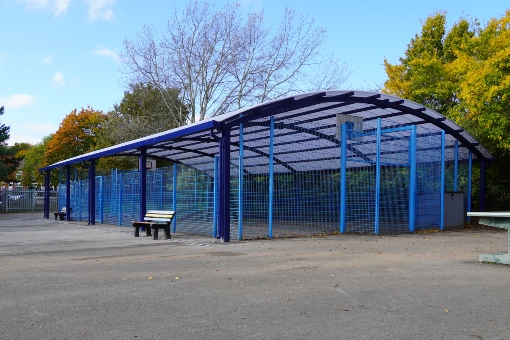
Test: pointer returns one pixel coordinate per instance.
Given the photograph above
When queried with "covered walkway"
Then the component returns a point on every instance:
(395, 150)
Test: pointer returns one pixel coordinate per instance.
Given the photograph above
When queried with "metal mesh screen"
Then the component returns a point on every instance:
(299, 192)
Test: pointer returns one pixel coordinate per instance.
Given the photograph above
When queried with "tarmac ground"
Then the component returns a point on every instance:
(69, 280)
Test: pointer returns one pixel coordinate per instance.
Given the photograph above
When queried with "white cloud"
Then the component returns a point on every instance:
(21, 138)
(58, 79)
(42, 127)
(17, 100)
(56, 6)
(60, 6)
(100, 9)
(103, 51)
(48, 60)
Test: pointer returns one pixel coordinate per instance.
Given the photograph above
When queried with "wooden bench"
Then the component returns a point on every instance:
(155, 220)
(61, 214)
(498, 219)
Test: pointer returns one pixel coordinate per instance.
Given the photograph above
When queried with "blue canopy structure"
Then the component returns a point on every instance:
(334, 131)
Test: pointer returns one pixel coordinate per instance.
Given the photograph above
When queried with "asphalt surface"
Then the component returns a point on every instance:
(67, 280)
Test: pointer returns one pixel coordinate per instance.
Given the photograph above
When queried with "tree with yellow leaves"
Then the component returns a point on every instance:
(463, 73)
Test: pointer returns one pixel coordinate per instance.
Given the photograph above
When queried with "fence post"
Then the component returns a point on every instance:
(215, 196)
(456, 165)
(343, 177)
(441, 222)
(68, 193)
(412, 179)
(240, 183)
(271, 175)
(101, 202)
(174, 200)
(121, 187)
(470, 174)
(143, 183)
(224, 196)
(377, 177)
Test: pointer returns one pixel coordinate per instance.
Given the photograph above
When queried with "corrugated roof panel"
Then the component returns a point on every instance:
(302, 116)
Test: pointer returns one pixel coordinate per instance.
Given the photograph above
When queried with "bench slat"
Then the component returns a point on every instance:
(159, 215)
(157, 219)
(168, 212)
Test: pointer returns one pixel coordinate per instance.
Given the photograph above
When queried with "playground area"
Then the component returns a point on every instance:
(64, 280)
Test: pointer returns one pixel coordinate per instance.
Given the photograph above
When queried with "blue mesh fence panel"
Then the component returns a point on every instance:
(306, 194)
(428, 201)
(194, 201)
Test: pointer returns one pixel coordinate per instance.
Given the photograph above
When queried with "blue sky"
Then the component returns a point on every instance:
(57, 55)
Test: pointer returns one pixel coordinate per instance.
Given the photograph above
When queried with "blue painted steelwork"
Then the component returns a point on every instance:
(412, 179)
(241, 183)
(92, 190)
(470, 175)
(68, 193)
(377, 178)
(456, 165)
(120, 186)
(143, 183)
(79, 200)
(46, 175)
(216, 231)
(304, 152)
(161, 191)
(174, 197)
(138, 144)
(343, 178)
(481, 202)
(101, 202)
(443, 142)
(271, 178)
(224, 196)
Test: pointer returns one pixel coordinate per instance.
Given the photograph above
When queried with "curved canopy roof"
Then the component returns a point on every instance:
(311, 119)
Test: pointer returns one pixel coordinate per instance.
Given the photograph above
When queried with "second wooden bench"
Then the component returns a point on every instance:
(155, 220)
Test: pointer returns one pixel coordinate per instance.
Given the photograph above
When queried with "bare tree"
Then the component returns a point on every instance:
(221, 60)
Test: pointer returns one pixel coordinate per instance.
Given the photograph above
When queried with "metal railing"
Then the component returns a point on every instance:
(26, 201)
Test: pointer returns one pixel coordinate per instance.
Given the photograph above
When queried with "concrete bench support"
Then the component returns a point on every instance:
(498, 220)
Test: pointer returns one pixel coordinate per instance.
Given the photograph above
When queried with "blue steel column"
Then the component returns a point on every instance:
(481, 206)
(271, 176)
(343, 177)
(377, 177)
(215, 195)
(442, 178)
(79, 199)
(143, 183)
(412, 175)
(470, 174)
(224, 201)
(68, 192)
(240, 183)
(101, 202)
(47, 177)
(121, 187)
(92, 192)
(174, 197)
(455, 165)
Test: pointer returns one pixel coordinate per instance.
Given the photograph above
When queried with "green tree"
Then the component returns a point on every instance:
(140, 113)
(463, 73)
(426, 74)
(7, 161)
(33, 161)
